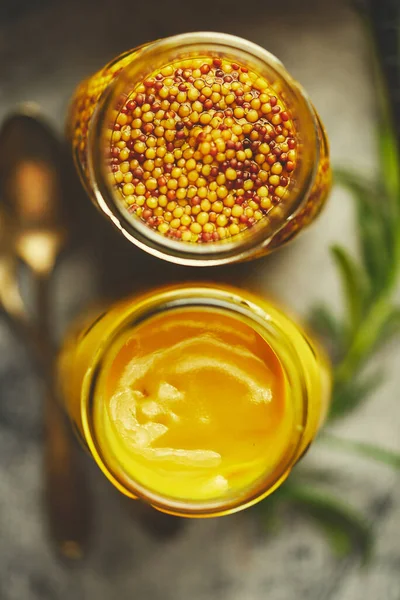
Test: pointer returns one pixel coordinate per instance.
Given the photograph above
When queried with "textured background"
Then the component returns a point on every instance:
(45, 49)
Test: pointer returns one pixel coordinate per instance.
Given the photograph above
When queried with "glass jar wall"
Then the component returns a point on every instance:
(198, 399)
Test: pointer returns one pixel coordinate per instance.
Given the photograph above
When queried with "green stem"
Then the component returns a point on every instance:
(396, 257)
(364, 339)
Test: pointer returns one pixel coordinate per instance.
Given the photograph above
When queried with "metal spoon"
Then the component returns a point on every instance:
(30, 162)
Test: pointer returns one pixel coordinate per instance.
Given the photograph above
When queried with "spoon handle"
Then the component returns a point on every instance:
(66, 490)
(67, 494)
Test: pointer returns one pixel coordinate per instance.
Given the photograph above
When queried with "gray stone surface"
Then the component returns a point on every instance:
(45, 48)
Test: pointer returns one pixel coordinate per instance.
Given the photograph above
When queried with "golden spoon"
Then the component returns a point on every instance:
(30, 161)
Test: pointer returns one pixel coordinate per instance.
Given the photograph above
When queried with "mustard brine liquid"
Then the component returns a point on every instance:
(196, 403)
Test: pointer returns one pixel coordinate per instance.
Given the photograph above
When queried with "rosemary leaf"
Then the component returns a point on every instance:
(377, 230)
(390, 329)
(347, 530)
(330, 329)
(351, 394)
(361, 347)
(387, 457)
(354, 285)
(389, 161)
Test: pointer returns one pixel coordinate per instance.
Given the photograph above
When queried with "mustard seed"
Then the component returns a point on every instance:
(202, 151)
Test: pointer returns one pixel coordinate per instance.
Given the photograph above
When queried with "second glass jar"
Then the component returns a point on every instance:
(198, 399)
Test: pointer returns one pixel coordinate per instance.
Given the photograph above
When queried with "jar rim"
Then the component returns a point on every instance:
(248, 243)
(208, 296)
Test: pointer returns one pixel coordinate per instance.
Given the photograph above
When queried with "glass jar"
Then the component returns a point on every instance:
(87, 357)
(94, 112)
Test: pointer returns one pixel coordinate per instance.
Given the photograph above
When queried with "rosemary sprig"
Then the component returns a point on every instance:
(370, 316)
(369, 319)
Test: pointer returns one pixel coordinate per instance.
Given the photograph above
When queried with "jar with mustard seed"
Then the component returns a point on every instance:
(200, 148)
